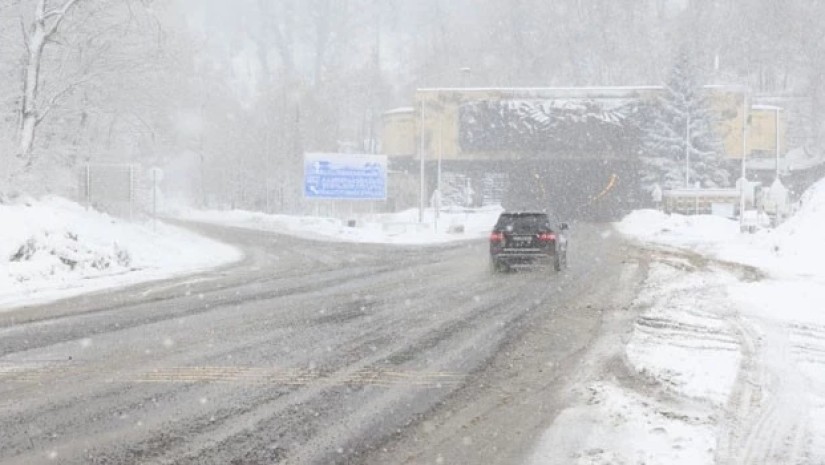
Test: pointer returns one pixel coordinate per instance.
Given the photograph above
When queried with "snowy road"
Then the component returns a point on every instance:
(310, 352)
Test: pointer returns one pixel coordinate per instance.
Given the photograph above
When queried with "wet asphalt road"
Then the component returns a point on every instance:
(305, 352)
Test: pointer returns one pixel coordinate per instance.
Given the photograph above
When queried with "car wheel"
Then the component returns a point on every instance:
(495, 267)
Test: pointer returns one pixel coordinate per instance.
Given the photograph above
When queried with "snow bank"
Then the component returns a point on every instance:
(54, 248)
(386, 228)
(799, 241)
(655, 226)
(795, 247)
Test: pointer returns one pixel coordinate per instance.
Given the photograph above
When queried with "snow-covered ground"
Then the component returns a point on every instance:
(679, 366)
(386, 228)
(727, 357)
(54, 248)
(618, 426)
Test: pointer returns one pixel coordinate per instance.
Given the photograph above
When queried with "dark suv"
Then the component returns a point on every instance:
(527, 239)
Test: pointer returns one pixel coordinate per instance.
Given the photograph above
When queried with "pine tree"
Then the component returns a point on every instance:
(682, 116)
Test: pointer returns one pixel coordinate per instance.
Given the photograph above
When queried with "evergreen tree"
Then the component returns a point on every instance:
(682, 122)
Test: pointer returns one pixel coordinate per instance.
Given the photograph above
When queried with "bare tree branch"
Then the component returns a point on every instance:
(25, 32)
(54, 100)
(59, 14)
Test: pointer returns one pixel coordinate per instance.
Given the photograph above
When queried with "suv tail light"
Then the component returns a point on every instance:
(496, 236)
(547, 237)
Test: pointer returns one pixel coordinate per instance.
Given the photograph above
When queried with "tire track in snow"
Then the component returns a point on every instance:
(768, 421)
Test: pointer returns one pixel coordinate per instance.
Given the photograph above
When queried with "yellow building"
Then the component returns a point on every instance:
(767, 122)
(399, 132)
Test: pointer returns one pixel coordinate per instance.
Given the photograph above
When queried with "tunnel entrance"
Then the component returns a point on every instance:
(583, 189)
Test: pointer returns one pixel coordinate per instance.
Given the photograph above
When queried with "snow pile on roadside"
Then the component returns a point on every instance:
(385, 228)
(798, 243)
(795, 247)
(55, 248)
(655, 226)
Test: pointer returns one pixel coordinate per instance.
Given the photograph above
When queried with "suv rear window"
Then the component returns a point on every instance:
(523, 223)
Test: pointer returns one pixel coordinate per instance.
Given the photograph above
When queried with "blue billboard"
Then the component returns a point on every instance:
(338, 176)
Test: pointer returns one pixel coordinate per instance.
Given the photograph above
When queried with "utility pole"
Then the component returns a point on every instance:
(776, 137)
(437, 203)
(422, 191)
(155, 199)
(687, 152)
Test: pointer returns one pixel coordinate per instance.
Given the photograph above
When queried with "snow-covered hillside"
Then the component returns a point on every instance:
(55, 248)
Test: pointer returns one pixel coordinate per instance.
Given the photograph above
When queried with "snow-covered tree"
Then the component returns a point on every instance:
(34, 107)
(80, 80)
(684, 126)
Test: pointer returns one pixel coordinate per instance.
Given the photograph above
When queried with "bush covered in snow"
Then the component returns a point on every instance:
(49, 253)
